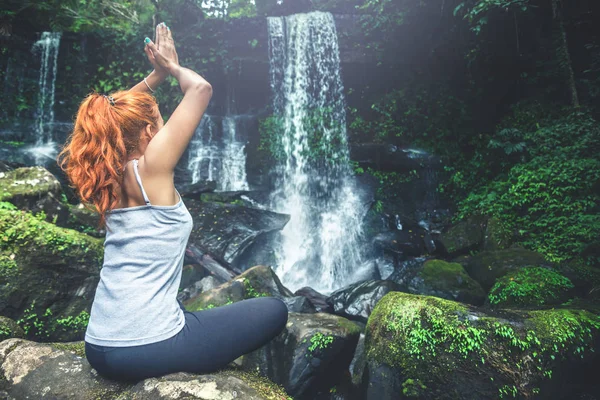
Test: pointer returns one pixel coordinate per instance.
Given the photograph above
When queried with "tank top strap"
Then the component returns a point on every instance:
(139, 180)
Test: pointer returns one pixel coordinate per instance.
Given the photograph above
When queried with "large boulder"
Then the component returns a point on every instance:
(32, 370)
(442, 279)
(229, 230)
(258, 281)
(358, 300)
(34, 189)
(47, 273)
(310, 355)
(430, 348)
(488, 266)
(466, 235)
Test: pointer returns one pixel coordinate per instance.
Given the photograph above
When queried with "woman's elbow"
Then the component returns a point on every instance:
(204, 88)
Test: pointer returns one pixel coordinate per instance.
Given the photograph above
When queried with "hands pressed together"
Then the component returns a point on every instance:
(161, 53)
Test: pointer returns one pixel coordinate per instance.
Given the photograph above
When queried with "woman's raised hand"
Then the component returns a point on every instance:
(162, 54)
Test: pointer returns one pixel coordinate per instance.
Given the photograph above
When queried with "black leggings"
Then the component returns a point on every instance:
(209, 341)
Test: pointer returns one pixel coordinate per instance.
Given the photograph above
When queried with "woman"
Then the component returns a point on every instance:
(121, 158)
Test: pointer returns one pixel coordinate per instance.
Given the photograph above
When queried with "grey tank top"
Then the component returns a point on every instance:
(136, 299)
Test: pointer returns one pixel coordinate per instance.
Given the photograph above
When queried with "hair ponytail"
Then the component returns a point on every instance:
(106, 131)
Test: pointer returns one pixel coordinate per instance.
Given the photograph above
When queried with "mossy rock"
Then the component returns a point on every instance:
(30, 370)
(431, 348)
(530, 287)
(10, 329)
(465, 236)
(447, 280)
(44, 267)
(486, 267)
(35, 189)
(258, 281)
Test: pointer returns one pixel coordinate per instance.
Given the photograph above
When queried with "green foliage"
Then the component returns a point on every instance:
(427, 116)
(533, 286)
(477, 11)
(83, 15)
(251, 292)
(319, 341)
(42, 326)
(550, 198)
(413, 333)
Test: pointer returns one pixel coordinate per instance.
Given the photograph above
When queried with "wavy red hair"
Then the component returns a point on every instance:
(97, 149)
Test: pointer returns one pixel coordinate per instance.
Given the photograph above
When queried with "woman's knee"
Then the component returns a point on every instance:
(278, 312)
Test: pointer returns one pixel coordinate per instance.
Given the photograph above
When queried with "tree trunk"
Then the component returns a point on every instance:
(564, 57)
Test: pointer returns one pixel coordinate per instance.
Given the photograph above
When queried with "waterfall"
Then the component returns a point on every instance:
(233, 176)
(203, 151)
(48, 46)
(321, 243)
(216, 153)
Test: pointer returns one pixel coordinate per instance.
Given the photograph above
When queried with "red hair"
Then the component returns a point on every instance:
(95, 153)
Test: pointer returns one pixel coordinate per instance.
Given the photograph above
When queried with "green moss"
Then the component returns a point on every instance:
(445, 275)
(533, 286)
(424, 326)
(27, 181)
(266, 388)
(563, 332)
(77, 348)
(319, 341)
(30, 238)
(350, 327)
(437, 341)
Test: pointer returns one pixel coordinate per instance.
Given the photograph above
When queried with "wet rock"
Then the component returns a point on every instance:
(84, 220)
(223, 197)
(227, 231)
(299, 304)
(32, 370)
(412, 341)
(317, 299)
(310, 355)
(407, 243)
(258, 281)
(34, 189)
(195, 190)
(465, 236)
(358, 300)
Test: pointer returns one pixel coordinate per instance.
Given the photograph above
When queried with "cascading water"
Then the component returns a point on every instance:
(233, 176)
(44, 147)
(217, 154)
(203, 151)
(321, 243)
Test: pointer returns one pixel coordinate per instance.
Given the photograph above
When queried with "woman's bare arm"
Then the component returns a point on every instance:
(154, 80)
(167, 146)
